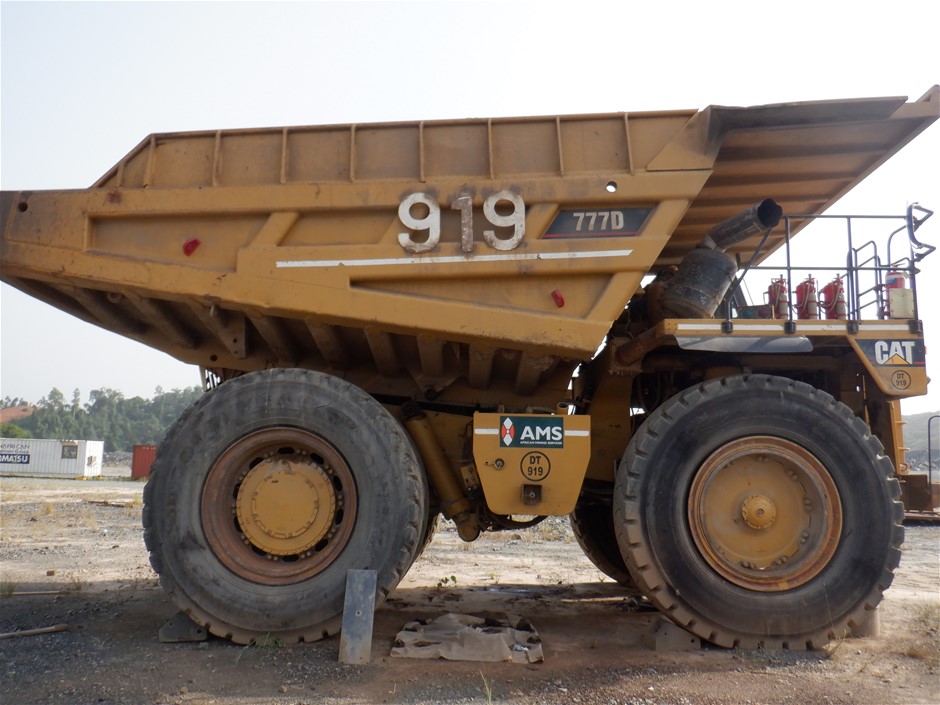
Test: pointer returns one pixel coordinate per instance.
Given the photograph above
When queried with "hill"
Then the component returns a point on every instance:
(915, 438)
(18, 411)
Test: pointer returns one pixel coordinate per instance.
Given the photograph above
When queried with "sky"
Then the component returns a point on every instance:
(82, 83)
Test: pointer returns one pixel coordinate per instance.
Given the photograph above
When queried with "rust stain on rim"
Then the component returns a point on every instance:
(244, 528)
(765, 513)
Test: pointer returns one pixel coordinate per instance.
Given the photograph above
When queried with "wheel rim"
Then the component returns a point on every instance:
(278, 506)
(765, 513)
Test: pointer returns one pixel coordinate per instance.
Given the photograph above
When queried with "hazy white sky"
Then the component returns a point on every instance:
(83, 83)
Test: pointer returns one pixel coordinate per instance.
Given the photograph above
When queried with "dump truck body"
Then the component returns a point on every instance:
(496, 320)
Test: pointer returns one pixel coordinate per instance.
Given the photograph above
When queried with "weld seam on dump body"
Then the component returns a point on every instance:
(453, 259)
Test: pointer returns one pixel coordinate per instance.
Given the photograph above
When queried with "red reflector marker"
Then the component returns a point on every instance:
(190, 246)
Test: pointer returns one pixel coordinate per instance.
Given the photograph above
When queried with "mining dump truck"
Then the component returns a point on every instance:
(501, 320)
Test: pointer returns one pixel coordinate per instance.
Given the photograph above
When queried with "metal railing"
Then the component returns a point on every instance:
(865, 272)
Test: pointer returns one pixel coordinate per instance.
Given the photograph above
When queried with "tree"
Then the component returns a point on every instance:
(56, 399)
(121, 423)
(11, 430)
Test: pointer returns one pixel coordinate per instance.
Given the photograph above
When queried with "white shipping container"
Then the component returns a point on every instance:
(40, 457)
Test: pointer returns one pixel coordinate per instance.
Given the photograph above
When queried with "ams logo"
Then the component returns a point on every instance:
(528, 432)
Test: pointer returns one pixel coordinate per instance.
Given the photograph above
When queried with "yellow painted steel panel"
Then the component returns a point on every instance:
(280, 237)
(531, 463)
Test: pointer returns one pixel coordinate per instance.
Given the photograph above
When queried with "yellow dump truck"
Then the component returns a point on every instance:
(501, 320)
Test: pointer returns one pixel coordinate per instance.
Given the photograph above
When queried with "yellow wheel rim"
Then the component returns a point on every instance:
(285, 507)
(279, 505)
(765, 513)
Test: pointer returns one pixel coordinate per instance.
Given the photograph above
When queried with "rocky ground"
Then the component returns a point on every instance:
(71, 553)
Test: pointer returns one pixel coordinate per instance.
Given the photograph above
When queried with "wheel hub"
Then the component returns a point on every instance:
(765, 513)
(284, 507)
(758, 511)
(278, 506)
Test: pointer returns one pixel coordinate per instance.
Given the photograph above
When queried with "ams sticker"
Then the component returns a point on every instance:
(526, 432)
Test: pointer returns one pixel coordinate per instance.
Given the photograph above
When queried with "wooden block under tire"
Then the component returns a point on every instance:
(663, 635)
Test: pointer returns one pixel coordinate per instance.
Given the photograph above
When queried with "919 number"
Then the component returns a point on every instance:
(535, 466)
(432, 221)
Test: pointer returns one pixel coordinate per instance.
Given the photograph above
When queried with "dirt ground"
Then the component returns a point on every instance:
(72, 553)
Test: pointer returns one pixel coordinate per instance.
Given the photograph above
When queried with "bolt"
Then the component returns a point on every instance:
(500, 463)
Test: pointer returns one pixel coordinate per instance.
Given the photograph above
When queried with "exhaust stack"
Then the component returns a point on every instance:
(705, 274)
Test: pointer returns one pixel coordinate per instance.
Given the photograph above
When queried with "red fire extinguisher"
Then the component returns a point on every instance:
(896, 280)
(777, 297)
(833, 299)
(807, 304)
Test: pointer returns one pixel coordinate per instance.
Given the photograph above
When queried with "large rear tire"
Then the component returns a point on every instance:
(268, 491)
(756, 511)
(593, 528)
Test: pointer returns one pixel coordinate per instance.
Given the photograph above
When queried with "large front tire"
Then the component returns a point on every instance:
(268, 491)
(756, 511)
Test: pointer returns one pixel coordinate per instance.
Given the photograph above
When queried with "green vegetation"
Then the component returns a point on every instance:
(11, 430)
(120, 423)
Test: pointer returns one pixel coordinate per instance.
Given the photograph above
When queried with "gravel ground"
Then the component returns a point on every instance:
(72, 553)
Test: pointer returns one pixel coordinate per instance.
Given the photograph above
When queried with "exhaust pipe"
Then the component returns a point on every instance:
(753, 222)
(705, 273)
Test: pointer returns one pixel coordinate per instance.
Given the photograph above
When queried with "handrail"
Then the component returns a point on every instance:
(863, 264)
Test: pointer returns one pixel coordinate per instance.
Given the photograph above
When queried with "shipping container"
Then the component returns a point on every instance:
(40, 457)
(142, 460)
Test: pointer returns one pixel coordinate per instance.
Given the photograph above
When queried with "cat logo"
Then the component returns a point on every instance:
(894, 352)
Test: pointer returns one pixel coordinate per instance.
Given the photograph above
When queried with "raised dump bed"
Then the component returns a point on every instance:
(501, 320)
(252, 248)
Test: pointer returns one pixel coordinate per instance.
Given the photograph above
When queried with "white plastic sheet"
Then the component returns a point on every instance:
(461, 637)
